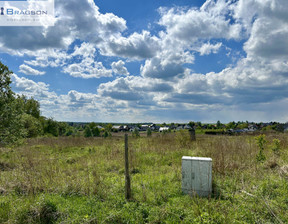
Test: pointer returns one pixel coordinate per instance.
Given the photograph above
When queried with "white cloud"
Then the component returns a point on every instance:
(256, 82)
(119, 68)
(85, 50)
(156, 68)
(38, 90)
(70, 25)
(136, 46)
(87, 69)
(205, 23)
(29, 71)
(134, 88)
(208, 48)
(49, 58)
(268, 39)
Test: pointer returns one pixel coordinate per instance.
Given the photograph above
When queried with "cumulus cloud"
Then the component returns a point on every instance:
(249, 82)
(74, 21)
(166, 81)
(39, 90)
(266, 23)
(29, 71)
(205, 23)
(208, 48)
(137, 46)
(119, 68)
(49, 58)
(268, 39)
(183, 29)
(154, 68)
(133, 88)
(87, 69)
(85, 50)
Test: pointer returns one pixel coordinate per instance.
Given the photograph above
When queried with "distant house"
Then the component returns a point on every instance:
(132, 128)
(154, 127)
(99, 127)
(116, 128)
(252, 127)
(125, 128)
(173, 127)
(162, 129)
(144, 127)
(204, 126)
(180, 127)
(187, 126)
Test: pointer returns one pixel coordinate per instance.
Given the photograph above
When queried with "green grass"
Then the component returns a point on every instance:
(78, 180)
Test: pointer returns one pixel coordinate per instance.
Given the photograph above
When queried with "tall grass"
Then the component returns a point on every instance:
(81, 180)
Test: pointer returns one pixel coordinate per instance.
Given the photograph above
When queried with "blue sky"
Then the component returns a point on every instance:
(155, 61)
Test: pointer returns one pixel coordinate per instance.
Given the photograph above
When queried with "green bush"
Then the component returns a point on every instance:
(136, 133)
(276, 146)
(45, 213)
(261, 141)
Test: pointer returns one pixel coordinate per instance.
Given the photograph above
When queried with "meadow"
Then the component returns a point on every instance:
(81, 180)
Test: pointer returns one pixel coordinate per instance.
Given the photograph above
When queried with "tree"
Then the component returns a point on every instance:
(62, 128)
(107, 134)
(108, 127)
(32, 125)
(218, 125)
(149, 132)
(136, 133)
(192, 124)
(51, 127)
(11, 127)
(69, 131)
(231, 125)
(199, 124)
(31, 107)
(87, 132)
(94, 129)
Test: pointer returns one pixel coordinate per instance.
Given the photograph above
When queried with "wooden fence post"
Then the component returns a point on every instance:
(192, 134)
(127, 176)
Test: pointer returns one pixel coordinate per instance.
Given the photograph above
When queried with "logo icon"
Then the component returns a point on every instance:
(2, 11)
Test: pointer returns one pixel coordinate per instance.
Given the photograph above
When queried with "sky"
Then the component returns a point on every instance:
(155, 61)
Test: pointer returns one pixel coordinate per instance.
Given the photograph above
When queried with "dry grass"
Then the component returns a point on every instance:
(94, 167)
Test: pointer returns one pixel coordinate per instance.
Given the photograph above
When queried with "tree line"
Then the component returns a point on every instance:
(20, 117)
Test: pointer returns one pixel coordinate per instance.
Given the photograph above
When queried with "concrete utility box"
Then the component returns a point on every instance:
(197, 176)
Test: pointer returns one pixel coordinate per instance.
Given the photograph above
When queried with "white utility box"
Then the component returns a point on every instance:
(197, 176)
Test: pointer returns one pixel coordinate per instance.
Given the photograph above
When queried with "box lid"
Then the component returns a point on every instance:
(197, 158)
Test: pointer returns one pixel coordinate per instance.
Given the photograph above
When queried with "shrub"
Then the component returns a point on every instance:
(136, 133)
(149, 132)
(46, 213)
(261, 141)
(276, 146)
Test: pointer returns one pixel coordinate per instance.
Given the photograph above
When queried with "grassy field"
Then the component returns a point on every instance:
(81, 180)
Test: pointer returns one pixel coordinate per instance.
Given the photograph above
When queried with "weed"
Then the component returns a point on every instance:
(276, 146)
(83, 180)
(44, 213)
(261, 141)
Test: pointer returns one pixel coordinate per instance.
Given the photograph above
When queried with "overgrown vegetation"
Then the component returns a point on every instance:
(81, 180)
(72, 175)
(261, 141)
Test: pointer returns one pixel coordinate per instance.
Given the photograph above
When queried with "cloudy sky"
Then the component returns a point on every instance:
(155, 61)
